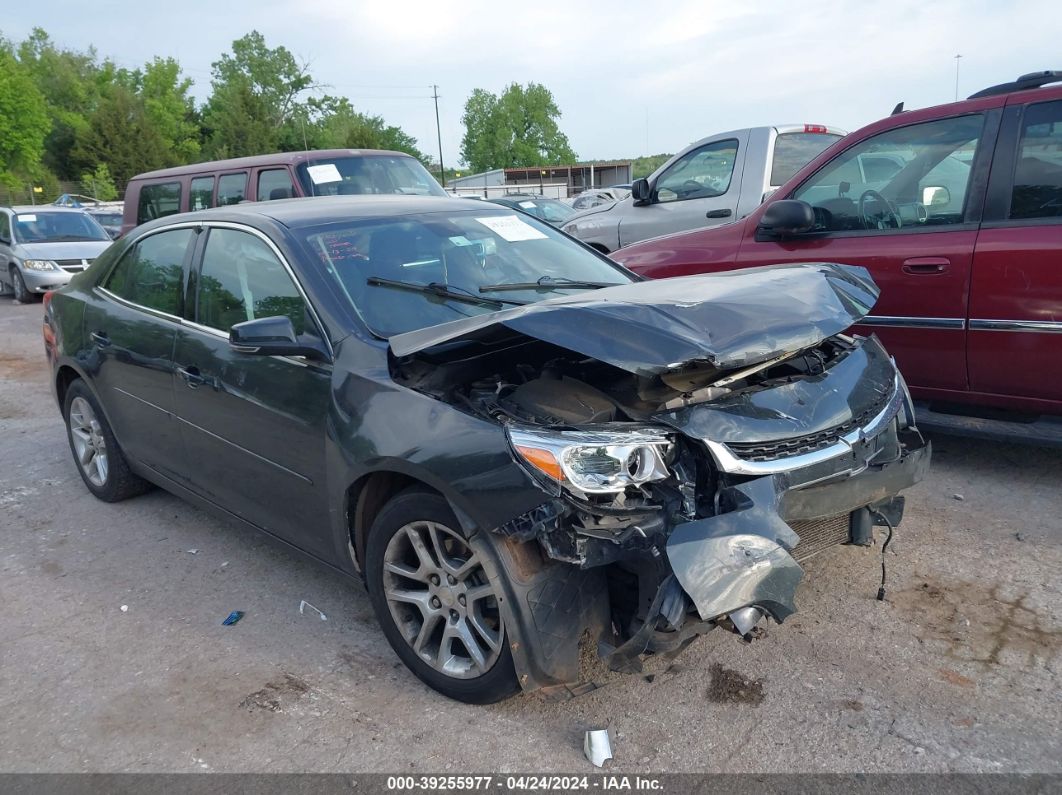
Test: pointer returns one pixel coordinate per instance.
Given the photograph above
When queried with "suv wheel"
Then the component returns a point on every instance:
(433, 598)
(99, 458)
(22, 294)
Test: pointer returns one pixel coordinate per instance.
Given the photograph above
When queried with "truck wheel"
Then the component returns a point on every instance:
(438, 609)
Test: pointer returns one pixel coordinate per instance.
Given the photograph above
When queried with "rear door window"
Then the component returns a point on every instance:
(201, 196)
(275, 184)
(158, 201)
(151, 273)
(1038, 171)
(232, 188)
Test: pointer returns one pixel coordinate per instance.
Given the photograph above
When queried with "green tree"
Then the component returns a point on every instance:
(170, 109)
(24, 121)
(337, 125)
(121, 134)
(255, 104)
(644, 166)
(516, 129)
(99, 183)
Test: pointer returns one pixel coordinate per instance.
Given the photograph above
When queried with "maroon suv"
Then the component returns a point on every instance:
(956, 211)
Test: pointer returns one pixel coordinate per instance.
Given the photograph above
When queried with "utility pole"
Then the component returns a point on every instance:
(438, 132)
(957, 57)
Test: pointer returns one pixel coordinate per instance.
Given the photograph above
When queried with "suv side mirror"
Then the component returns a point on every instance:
(272, 336)
(787, 217)
(641, 192)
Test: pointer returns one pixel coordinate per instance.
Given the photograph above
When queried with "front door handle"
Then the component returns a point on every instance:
(100, 338)
(925, 266)
(193, 379)
(726, 212)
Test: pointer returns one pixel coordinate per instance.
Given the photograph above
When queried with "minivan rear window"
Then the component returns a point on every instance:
(342, 176)
(201, 195)
(232, 188)
(158, 201)
(793, 151)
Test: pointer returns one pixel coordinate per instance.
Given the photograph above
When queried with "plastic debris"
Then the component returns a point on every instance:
(232, 618)
(958, 497)
(303, 605)
(192, 551)
(597, 747)
(124, 608)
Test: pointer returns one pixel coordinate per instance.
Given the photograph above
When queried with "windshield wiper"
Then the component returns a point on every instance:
(440, 290)
(547, 283)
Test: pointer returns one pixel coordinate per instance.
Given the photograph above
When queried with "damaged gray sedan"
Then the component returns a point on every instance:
(522, 447)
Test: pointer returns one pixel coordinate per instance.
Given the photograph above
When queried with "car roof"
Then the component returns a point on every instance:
(319, 210)
(274, 159)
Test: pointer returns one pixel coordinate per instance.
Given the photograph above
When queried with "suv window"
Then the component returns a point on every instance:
(1038, 171)
(201, 195)
(150, 274)
(700, 174)
(275, 184)
(918, 176)
(158, 201)
(232, 188)
(242, 279)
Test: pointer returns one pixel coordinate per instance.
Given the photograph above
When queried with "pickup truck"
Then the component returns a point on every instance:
(714, 181)
(958, 218)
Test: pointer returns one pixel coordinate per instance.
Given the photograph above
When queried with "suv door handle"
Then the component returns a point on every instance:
(923, 266)
(100, 338)
(193, 379)
(726, 212)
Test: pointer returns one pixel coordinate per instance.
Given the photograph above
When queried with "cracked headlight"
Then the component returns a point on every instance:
(595, 462)
(39, 265)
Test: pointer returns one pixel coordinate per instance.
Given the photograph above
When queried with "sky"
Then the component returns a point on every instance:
(630, 78)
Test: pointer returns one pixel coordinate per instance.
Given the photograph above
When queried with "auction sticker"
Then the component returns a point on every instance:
(511, 228)
(324, 172)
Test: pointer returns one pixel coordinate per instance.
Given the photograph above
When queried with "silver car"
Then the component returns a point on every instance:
(713, 181)
(42, 247)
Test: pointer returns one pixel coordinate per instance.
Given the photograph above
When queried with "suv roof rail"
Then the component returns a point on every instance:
(1023, 83)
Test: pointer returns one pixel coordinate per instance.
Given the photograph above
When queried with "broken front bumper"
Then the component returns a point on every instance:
(744, 556)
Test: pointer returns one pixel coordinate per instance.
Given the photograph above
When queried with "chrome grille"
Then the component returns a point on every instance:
(73, 265)
(799, 445)
(819, 534)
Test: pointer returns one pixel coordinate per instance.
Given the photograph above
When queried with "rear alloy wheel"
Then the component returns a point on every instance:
(22, 293)
(99, 460)
(434, 599)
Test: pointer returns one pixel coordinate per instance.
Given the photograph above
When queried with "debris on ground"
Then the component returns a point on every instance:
(730, 687)
(597, 747)
(303, 605)
(124, 608)
(1019, 537)
(958, 497)
(232, 618)
(192, 551)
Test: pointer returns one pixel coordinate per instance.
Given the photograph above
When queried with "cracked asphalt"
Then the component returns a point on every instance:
(959, 670)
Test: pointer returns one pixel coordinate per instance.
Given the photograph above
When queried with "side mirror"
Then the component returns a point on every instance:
(272, 336)
(787, 217)
(641, 192)
(936, 196)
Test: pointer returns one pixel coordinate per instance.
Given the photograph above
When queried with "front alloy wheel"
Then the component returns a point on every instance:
(22, 293)
(433, 596)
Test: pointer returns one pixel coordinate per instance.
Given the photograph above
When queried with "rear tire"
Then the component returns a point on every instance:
(99, 459)
(434, 601)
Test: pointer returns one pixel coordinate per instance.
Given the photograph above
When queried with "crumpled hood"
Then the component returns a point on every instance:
(732, 319)
(73, 249)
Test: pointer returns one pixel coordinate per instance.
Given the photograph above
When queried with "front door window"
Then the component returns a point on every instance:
(700, 174)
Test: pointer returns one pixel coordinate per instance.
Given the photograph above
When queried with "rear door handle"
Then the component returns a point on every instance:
(100, 338)
(193, 379)
(726, 212)
(924, 266)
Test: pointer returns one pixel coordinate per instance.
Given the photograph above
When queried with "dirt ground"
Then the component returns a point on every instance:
(959, 670)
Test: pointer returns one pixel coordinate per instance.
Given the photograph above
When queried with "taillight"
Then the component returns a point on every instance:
(48, 299)
(815, 128)
(49, 332)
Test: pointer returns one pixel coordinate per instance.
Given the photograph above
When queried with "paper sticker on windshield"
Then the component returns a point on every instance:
(27, 219)
(324, 172)
(460, 240)
(527, 205)
(511, 228)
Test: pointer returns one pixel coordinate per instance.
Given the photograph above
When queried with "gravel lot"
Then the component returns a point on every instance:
(958, 671)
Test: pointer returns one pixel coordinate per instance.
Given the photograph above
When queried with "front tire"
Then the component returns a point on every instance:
(99, 459)
(435, 602)
(22, 293)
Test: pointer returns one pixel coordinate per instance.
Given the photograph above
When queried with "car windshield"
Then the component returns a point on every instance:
(56, 227)
(108, 219)
(547, 209)
(346, 176)
(411, 272)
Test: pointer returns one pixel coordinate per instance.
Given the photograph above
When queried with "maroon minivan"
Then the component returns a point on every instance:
(285, 175)
(956, 211)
